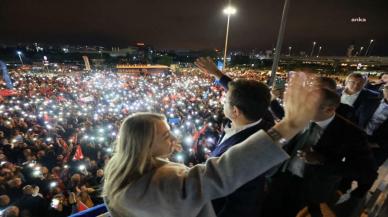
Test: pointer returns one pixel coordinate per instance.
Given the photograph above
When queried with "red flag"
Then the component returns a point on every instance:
(62, 143)
(197, 134)
(78, 153)
(7, 92)
(81, 206)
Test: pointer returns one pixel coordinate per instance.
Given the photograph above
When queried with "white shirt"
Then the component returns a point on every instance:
(230, 131)
(325, 123)
(349, 99)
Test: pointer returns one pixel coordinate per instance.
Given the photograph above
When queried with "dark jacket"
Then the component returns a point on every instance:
(345, 153)
(247, 200)
(364, 106)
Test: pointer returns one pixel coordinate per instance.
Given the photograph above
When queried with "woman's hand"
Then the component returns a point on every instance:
(301, 103)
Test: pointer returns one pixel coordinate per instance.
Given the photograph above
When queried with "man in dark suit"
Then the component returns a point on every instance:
(344, 110)
(245, 105)
(379, 85)
(329, 149)
(358, 97)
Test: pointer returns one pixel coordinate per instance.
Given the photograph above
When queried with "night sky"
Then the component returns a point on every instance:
(196, 24)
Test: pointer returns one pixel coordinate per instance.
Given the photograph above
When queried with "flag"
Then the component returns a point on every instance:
(198, 134)
(62, 143)
(7, 92)
(81, 206)
(6, 77)
(78, 153)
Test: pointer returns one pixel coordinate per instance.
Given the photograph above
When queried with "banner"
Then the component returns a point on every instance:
(6, 77)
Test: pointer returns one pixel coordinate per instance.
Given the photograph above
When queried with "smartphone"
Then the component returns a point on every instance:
(55, 203)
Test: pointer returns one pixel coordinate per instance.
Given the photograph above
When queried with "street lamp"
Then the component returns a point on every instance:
(228, 11)
(367, 50)
(361, 48)
(319, 51)
(20, 56)
(312, 50)
(289, 51)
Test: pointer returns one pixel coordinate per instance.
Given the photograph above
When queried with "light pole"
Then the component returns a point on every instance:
(279, 42)
(289, 51)
(228, 11)
(20, 56)
(319, 51)
(312, 50)
(359, 53)
(367, 50)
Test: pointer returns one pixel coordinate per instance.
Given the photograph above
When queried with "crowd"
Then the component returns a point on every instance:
(57, 134)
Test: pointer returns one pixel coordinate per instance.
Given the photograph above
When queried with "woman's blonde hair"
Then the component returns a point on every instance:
(132, 153)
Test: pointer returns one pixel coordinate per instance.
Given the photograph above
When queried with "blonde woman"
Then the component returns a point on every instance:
(139, 183)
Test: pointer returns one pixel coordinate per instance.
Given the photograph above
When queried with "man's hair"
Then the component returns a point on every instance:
(357, 76)
(251, 97)
(328, 83)
(329, 98)
(382, 74)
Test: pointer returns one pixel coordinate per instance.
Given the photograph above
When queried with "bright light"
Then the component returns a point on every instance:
(230, 10)
(179, 158)
(177, 132)
(210, 140)
(82, 167)
(53, 184)
(36, 173)
(19, 52)
(189, 140)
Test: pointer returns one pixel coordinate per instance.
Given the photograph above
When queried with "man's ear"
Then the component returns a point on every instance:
(330, 109)
(236, 112)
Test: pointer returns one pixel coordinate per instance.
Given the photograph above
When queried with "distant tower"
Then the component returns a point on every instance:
(349, 53)
(87, 64)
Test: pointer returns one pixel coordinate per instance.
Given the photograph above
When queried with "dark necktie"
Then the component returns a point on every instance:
(307, 138)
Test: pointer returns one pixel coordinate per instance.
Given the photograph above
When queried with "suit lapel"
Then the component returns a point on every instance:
(329, 134)
(359, 99)
(238, 137)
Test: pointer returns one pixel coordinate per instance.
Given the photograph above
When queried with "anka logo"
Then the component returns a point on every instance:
(358, 20)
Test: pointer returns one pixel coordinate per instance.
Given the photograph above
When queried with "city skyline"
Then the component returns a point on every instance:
(333, 25)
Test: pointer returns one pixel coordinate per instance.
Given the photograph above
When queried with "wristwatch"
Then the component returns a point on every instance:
(276, 137)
